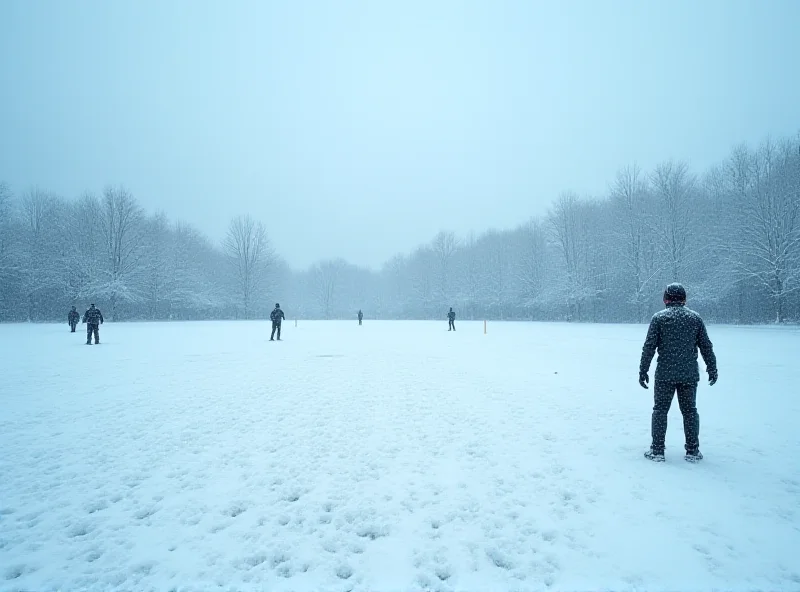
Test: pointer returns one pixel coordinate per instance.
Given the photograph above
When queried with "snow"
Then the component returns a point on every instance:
(392, 456)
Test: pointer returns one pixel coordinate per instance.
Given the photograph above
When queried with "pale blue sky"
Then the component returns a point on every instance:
(360, 129)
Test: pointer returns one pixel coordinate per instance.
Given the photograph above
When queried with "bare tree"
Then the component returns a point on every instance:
(496, 272)
(422, 265)
(10, 268)
(250, 255)
(43, 264)
(532, 262)
(6, 225)
(87, 257)
(633, 231)
(444, 247)
(327, 276)
(765, 246)
(568, 225)
(469, 257)
(395, 283)
(674, 188)
(123, 232)
(159, 281)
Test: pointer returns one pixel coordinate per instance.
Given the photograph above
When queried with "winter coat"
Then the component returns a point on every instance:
(451, 315)
(277, 316)
(677, 333)
(93, 316)
(73, 317)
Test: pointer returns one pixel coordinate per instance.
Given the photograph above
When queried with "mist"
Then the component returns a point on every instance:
(557, 161)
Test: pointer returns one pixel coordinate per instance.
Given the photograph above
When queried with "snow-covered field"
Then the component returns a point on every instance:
(393, 456)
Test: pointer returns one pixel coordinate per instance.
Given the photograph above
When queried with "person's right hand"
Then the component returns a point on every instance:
(643, 379)
(713, 375)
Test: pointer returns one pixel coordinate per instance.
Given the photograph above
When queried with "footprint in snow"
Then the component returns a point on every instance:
(15, 571)
(96, 506)
(499, 559)
(549, 536)
(234, 510)
(344, 572)
(373, 531)
(146, 512)
(78, 530)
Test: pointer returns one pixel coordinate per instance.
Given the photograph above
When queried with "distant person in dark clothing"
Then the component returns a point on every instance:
(360, 317)
(73, 318)
(93, 319)
(276, 317)
(451, 316)
(676, 333)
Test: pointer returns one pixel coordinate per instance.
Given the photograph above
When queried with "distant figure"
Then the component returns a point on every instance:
(451, 316)
(73, 318)
(360, 317)
(276, 317)
(676, 333)
(93, 319)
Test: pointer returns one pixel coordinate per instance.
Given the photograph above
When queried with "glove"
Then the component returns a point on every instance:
(643, 379)
(713, 375)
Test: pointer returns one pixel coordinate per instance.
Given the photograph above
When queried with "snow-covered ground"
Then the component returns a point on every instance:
(393, 456)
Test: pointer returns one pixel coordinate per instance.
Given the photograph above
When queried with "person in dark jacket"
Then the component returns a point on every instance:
(93, 319)
(360, 317)
(676, 333)
(276, 317)
(451, 316)
(73, 318)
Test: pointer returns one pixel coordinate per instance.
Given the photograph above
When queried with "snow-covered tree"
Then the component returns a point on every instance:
(44, 256)
(532, 263)
(765, 243)
(444, 247)
(327, 282)
(731, 234)
(633, 230)
(569, 227)
(250, 255)
(122, 224)
(674, 188)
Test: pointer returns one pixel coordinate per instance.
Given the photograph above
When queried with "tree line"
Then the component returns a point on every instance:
(731, 235)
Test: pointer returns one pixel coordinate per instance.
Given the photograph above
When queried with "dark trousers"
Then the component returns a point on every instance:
(359, 321)
(687, 399)
(452, 325)
(73, 324)
(275, 327)
(92, 330)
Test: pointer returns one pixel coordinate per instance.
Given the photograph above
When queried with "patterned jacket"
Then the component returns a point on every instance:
(677, 333)
(93, 316)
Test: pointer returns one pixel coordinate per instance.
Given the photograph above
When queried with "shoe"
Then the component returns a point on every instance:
(654, 456)
(693, 456)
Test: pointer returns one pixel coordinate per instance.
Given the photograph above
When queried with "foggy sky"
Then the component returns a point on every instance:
(360, 129)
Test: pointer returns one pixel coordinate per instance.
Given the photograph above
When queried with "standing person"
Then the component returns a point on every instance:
(276, 317)
(93, 319)
(676, 333)
(360, 317)
(73, 318)
(451, 316)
